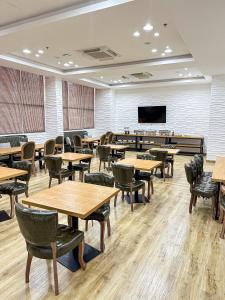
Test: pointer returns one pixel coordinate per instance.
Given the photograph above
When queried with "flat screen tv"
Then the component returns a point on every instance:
(152, 114)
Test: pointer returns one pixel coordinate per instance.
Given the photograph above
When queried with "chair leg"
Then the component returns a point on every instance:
(53, 246)
(143, 194)
(81, 255)
(191, 204)
(26, 193)
(108, 226)
(16, 198)
(149, 196)
(12, 206)
(164, 175)
(195, 200)
(131, 201)
(122, 195)
(86, 225)
(152, 187)
(50, 181)
(100, 163)
(115, 199)
(223, 227)
(172, 168)
(102, 233)
(221, 214)
(29, 260)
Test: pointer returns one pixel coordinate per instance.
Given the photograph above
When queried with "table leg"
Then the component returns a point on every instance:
(70, 167)
(40, 161)
(70, 260)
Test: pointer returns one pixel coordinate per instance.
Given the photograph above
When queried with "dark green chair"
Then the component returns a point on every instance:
(47, 239)
(84, 165)
(19, 186)
(54, 166)
(125, 181)
(146, 176)
(101, 214)
(201, 188)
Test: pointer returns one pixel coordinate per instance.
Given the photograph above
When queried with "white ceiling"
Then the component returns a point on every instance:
(185, 33)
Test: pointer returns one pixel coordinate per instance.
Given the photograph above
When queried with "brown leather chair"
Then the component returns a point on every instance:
(105, 156)
(49, 149)
(59, 143)
(28, 153)
(161, 155)
(124, 180)
(47, 239)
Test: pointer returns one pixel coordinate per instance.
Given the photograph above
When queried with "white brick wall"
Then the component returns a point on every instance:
(216, 136)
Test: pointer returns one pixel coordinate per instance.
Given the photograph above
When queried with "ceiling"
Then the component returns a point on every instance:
(62, 28)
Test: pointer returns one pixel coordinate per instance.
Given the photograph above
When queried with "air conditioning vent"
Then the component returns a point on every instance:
(145, 75)
(100, 53)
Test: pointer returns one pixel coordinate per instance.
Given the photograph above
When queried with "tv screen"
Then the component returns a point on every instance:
(152, 114)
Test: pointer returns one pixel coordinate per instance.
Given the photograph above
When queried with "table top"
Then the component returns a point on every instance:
(70, 156)
(218, 174)
(141, 164)
(15, 150)
(90, 139)
(169, 150)
(7, 173)
(117, 147)
(72, 198)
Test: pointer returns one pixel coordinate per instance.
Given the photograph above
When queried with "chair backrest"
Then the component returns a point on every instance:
(197, 164)
(159, 154)
(200, 159)
(53, 164)
(28, 151)
(5, 145)
(146, 156)
(68, 141)
(37, 227)
(99, 179)
(23, 165)
(86, 151)
(49, 147)
(168, 146)
(103, 139)
(59, 140)
(77, 141)
(123, 174)
(190, 174)
(104, 152)
(110, 138)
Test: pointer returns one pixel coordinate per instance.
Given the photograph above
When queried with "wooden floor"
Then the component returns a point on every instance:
(157, 252)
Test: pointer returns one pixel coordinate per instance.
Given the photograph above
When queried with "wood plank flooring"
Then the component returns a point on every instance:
(157, 252)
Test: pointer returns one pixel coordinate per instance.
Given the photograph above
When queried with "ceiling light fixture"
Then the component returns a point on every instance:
(185, 69)
(163, 54)
(156, 34)
(37, 55)
(189, 74)
(148, 27)
(101, 77)
(59, 63)
(26, 51)
(70, 62)
(66, 65)
(181, 75)
(154, 50)
(76, 66)
(136, 33)
(115, 81)
(168, 50)
(40, 51)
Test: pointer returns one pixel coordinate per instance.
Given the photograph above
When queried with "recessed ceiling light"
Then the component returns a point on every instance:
(120, 80)
(136, 33)
(168, 50)
(101, 77)
(148, 27)
(185, 69)
(189, 74)
(163, 54)
(76, 66)
(181, 75)
(26, 51)
(66, 65)
(40, 51)
(154, 50)
(59, 63)
(156, 34)
(115, 81)
(70, 62)
(37, 55)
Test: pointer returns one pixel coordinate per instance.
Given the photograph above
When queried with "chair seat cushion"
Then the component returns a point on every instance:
(144, 176)
(101, 214)
(13, 188)
(137, 185)
(67, 240)
(81, 167)
(205, 189)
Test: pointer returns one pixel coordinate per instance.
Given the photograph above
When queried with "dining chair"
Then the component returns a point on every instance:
(19, 186)
(4, 159)
(59, 143)
(49, 149)
(28, 153)
(105, 156)
(125, 181)
(222, 210)
(84, 164)
(55, 170)
(161, 155)
(102, 213)
(46, 239)
(170, 158)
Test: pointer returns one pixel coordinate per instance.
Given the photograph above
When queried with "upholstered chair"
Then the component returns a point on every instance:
(54, 166)
(161, 155)
(124, 180)
(4, 159)
(47, 239)
(103, 139)
(146, 176)
(19, 186)
(101, 214)
(28, 153)
(105, 156)
(49, 149)
(59, 143)
(84, 165)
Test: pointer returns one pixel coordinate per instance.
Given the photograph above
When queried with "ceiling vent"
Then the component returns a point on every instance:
(145, 75)
(100, 53)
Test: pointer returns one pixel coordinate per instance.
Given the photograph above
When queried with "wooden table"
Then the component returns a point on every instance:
(116, 147)
(169, 150)
(218, 174)
(5, 174)
(71, 157)
(75, 199)
(90, 141)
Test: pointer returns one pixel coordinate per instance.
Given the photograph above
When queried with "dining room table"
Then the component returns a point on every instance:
(6, 174)
(76, 200)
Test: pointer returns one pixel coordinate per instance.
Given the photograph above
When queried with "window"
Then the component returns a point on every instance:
(22, 102)
(78, 106)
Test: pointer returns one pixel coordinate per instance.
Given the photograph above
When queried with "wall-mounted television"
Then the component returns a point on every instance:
(152, 114)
